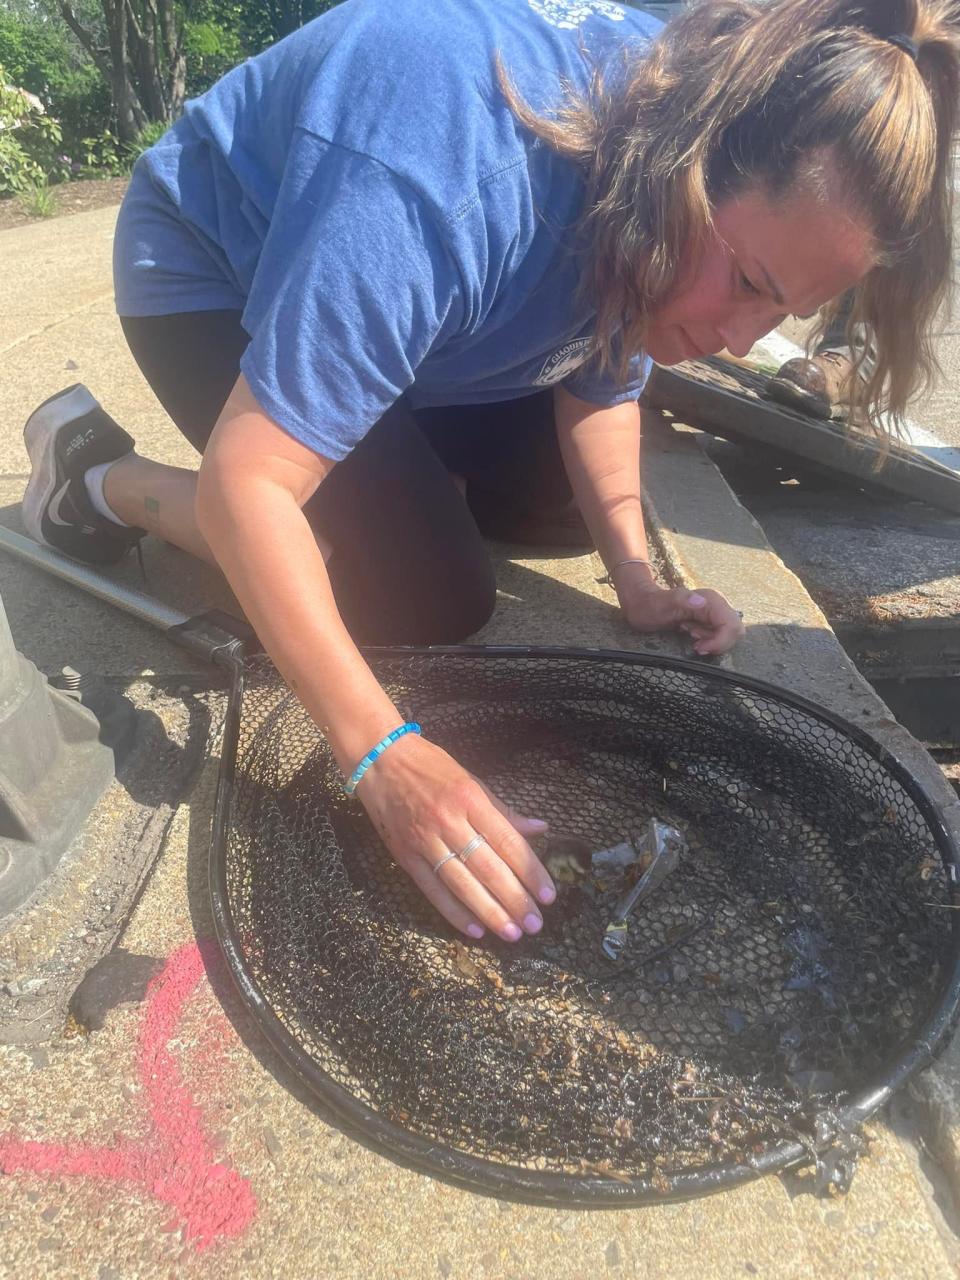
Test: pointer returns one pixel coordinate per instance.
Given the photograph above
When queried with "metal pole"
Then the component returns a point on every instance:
(94, 583)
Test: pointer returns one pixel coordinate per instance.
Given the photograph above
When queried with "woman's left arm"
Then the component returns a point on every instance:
(601, 453)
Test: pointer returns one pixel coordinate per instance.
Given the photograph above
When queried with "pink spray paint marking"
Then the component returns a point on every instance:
(176, 1163)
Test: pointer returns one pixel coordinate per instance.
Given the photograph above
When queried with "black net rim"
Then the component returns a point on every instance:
(555, 1189)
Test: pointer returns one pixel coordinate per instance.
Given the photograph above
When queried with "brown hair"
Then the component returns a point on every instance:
(740, 92)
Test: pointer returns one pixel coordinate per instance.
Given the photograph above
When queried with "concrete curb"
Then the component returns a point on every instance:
(707, 537)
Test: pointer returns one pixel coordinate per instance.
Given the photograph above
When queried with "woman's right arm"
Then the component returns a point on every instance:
(253, 483)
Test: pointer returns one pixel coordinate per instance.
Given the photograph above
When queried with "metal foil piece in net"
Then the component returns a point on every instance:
(662, 846)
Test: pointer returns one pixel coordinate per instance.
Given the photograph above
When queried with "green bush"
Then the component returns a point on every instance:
(17, 171)
(41, 56)
(80, 101)
(77, 136)
(30, 143)
(212, 50)
(33, 52)
(103, 155)
(100, 156)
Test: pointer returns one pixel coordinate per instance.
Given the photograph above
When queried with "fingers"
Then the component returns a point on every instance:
(481, 893)
(427, 810)
(704, 614)
(503, 837)
(506, 843)
(448, 904)
(483, 890)
(712, 622)
(487, 887)
(526, 826)
(500, 883)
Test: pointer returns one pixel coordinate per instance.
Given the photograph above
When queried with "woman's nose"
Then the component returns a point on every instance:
(743, 329)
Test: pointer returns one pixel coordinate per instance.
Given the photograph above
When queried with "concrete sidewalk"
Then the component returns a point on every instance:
(115, 1139)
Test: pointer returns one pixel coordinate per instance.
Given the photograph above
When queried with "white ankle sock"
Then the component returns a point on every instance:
(93, 480)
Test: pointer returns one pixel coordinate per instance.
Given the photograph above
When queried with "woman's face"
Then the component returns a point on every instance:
(764, 261)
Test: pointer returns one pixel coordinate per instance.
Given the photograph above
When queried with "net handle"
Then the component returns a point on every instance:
(213, 635)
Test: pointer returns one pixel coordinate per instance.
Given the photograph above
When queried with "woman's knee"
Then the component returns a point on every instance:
(464, 607)
(439, 602)
(446, 604)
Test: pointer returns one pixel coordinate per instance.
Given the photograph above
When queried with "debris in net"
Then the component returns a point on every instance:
(472, 968)
(605, 1167)
(662, 847)
(567, 858)
(463, 962)
(809, 972)
(623, 1128)
(791, 1039)
(735, 1021)
(836, 1148)
(613, 864)
(815, 1082)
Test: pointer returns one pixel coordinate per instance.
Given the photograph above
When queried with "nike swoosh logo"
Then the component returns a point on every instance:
(55, 518)
(54, 503)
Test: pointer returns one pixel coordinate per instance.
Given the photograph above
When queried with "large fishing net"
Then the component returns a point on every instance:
(797, 953)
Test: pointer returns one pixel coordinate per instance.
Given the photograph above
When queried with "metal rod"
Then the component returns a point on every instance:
(94, 583)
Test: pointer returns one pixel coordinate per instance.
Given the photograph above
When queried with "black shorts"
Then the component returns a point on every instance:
(409, 565)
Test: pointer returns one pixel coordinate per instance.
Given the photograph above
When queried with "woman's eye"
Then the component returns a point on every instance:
(747, 285)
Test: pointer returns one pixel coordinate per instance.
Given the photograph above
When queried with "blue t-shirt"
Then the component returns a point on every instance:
(362, 191)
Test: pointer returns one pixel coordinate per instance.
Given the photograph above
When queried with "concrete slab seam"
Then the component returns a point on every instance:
(67, 315)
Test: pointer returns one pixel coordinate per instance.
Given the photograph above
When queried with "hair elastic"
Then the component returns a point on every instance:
(904, 43)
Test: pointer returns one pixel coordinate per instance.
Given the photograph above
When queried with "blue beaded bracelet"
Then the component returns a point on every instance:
(350, 785)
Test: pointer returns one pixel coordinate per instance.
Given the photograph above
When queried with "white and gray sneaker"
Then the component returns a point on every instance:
(66, 436)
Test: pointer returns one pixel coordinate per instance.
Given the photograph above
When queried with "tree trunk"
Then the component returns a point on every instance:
(131, 117)
(130, 113)
(172, 32)
(177, 90)
(143, 62)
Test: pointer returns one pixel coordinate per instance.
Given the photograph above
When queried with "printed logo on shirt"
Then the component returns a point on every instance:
(562, 362)
(570, 13)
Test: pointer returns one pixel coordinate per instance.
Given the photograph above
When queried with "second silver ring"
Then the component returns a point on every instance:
(471, 846)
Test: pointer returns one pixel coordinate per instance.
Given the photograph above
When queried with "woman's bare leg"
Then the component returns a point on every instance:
(157, 498)
(160, 499)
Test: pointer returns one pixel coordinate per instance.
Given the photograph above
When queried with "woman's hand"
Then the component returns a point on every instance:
(426, 807)
(705, 615)
(601, 451)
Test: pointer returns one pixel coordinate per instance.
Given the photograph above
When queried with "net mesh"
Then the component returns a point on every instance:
(796, 949)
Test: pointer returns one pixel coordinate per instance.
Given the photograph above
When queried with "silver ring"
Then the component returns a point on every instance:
(471, 846)
(447, 857)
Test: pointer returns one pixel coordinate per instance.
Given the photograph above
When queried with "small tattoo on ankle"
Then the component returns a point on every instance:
(151, 506)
